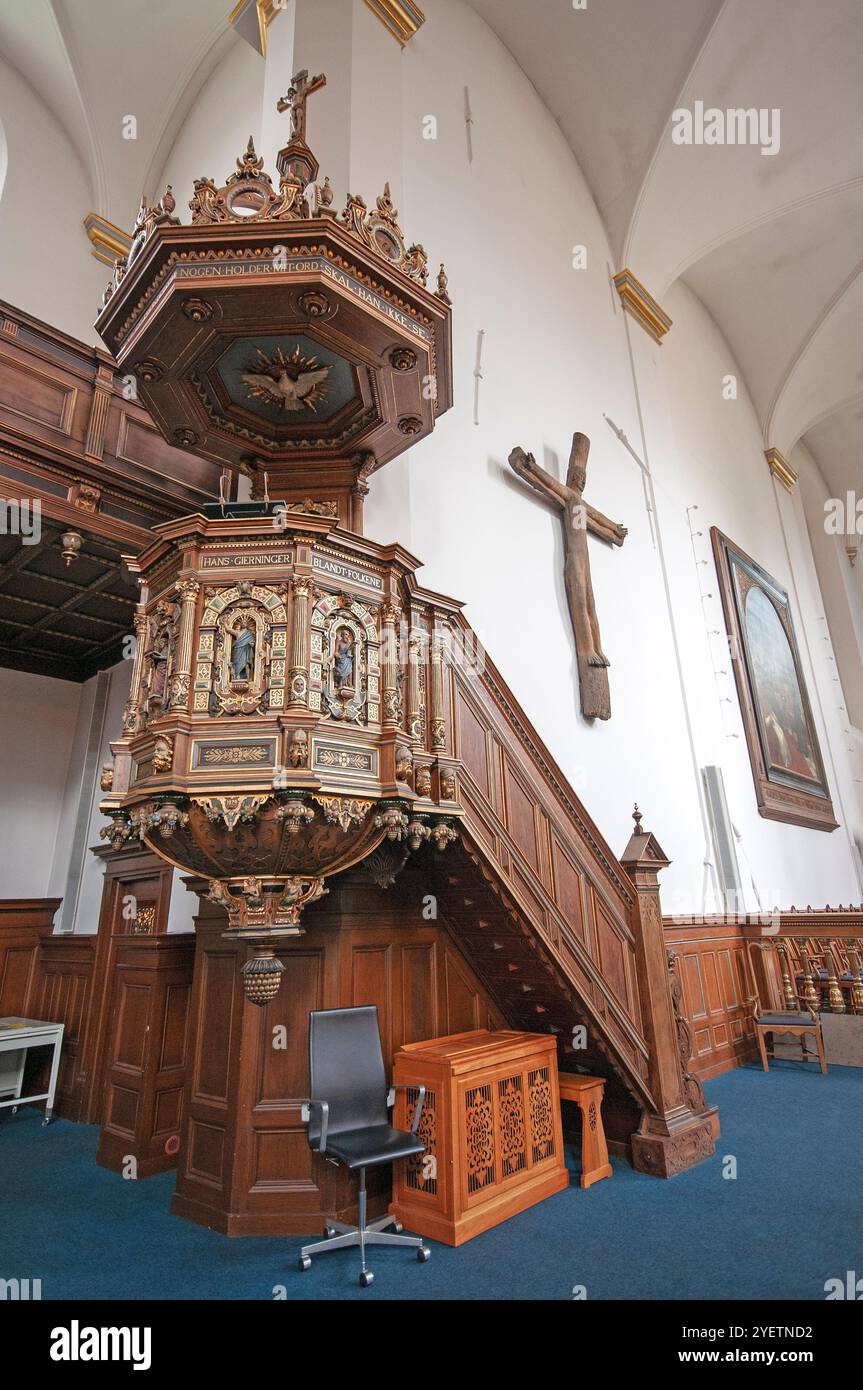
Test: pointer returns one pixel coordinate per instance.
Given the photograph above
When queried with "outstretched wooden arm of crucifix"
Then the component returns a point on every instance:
(526, 466)
(572, 491)
(599, 525)
(578, 518)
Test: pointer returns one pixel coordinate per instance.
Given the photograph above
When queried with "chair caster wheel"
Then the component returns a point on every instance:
(366, 1278)
(304, 1262)
(423, 1254)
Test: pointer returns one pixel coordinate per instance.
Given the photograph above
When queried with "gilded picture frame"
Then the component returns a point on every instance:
(784, 751)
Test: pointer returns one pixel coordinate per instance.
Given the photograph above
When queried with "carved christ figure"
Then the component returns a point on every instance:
(579, 517)
(295, 101)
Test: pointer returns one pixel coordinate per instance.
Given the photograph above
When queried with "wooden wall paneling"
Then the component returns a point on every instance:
(146, 1053)
(714, 971)
(467, 1003)
(22, 923)
(277, 1170)
(420, 990)
(610, 958)
(62, 992)
(520, 812)
(69, 979)
(205, 1161)
(369, 980)
(42, 400)
(46, 977)
(471, 744)
(131, 873)
(568, 887)
(720, 975)
(60, 407)
(142, 453)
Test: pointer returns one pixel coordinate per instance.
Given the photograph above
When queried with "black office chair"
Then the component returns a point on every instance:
(347, 1118)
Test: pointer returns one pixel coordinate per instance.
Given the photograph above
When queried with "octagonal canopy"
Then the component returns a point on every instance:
(273, 336)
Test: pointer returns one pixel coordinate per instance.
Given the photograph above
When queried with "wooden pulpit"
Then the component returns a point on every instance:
(491, 1125)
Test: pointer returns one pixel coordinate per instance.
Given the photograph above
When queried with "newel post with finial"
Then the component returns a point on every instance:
(679, 1130)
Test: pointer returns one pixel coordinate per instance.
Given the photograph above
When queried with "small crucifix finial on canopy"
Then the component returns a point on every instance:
(297, 95)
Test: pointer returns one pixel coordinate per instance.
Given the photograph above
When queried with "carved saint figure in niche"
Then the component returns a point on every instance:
(579, 517)
(243, 655)
(159, 667)
(343, 660)
(158, 657)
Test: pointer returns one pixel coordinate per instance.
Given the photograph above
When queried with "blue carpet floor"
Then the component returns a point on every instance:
(791, 1219)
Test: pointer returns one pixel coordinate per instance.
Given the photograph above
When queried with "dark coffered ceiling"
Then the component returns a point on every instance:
(67, 622)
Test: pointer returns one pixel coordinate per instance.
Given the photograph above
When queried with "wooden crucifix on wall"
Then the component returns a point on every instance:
(578, 518)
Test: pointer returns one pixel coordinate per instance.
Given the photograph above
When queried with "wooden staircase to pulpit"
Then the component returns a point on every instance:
(567, 938)
(528, 921)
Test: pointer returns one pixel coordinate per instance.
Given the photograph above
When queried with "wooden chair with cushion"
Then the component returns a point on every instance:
(800, 1021)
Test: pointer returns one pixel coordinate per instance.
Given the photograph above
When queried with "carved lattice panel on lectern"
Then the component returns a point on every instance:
(491, 1126)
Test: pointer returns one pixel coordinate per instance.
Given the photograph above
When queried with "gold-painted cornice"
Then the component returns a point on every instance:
(640, 303)
(108, 242)
(401, 17)
(781, 468)
(266, 11)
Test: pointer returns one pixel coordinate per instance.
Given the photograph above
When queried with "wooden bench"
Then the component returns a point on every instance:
(587, 1092)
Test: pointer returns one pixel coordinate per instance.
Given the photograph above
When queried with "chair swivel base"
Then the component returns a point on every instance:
(341, 1236)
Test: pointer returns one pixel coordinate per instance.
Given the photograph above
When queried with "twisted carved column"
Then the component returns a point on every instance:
(298, 684)
(182, 674)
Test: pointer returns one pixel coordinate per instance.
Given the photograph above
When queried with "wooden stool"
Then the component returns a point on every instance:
(587, 1093)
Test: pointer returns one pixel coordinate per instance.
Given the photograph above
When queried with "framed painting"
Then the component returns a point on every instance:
(787, 767)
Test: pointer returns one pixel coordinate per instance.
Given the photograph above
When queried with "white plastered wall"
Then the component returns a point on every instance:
(46, 264)
(37, 719)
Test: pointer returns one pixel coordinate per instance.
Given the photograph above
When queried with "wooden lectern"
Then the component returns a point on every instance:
(491, 1126)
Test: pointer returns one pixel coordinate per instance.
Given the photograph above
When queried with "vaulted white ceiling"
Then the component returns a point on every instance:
(772, 245)
(95, 62)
